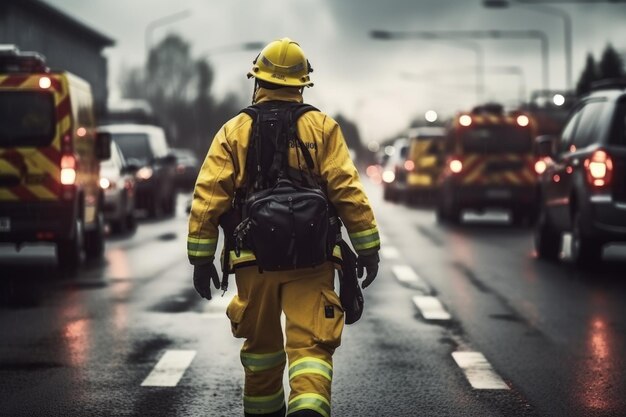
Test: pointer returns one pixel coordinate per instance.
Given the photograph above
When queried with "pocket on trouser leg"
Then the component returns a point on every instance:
(329, 321)
(236, 312)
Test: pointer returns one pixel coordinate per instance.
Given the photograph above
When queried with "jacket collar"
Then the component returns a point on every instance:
(280, 94)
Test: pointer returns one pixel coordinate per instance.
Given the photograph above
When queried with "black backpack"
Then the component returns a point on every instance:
(286, 214)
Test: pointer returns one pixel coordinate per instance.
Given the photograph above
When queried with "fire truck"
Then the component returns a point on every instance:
(50, 157)
(490, 163)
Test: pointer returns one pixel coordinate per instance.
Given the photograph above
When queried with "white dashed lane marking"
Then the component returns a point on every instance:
(431, 308)
(389, 252)
(170, 369)
(405, 273)
(478, 371)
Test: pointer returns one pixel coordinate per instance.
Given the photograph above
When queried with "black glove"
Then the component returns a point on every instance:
(202, 276)
(370, 264)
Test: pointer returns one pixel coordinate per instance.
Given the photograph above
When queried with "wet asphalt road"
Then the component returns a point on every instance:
(551, 338)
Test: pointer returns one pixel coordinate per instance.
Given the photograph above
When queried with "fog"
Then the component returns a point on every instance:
(382, 85)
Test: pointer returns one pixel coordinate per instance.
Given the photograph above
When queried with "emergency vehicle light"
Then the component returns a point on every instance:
(68, 170)
(45, 83)
(599, 168)
(523, 120)
(465, 120)
(456, 166)
(540, 166)
(14, 61)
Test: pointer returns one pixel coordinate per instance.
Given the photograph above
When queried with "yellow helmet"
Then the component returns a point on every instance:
(282, 62)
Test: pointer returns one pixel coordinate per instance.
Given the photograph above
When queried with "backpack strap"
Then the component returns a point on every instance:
(297, 112)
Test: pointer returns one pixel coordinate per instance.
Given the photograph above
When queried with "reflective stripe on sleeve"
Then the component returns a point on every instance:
(366, 239)
(310, 401)
(311, 365)
(201, 248)
(257, 362)
(264, 404)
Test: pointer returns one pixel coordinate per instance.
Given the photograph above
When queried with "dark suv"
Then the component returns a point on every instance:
(583, 189)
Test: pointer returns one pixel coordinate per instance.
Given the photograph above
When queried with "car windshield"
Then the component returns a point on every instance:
(26, 118)
(134, 146)
(496, 139)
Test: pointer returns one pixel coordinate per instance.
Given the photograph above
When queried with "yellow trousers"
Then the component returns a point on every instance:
(314, 322)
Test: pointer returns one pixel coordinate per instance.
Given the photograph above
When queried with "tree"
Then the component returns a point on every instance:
(611, 64)
(587, 77)
(178, 87)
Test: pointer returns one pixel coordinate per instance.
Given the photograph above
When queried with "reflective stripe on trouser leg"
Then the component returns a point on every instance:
(314, 321)
(310, 401)
(264, 372)
(266, 404)
(262, 355)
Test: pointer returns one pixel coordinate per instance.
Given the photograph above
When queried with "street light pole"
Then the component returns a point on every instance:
(509, 70)
(245, 46)
(473, 46)
(162, 21)
(477, 34)
(567, 25)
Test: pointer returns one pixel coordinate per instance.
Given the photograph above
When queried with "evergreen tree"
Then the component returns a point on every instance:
(611, 64)
(588, 76)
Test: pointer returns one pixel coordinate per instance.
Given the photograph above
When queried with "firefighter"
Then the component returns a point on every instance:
(314, 316)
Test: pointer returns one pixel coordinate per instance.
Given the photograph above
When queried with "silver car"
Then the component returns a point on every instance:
(118, 183)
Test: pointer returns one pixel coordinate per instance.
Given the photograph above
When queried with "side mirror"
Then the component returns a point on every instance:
(170, 159)
(103, 146)
(545, 146)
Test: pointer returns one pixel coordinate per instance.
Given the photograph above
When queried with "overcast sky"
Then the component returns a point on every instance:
(382, 85)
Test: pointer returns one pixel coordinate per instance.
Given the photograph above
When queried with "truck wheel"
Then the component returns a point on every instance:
(69, 251)
(440, 213)
(586, 251)
(454, 214)
(131, 222)
(94, 239)
(547, 239)
(154, 207)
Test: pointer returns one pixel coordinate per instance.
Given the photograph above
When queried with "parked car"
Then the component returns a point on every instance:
(583, 189)
(187, 168)
(118, 183)
(394, 171)
(146, 151)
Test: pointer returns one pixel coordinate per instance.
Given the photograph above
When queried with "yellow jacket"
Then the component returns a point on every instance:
(223, 172)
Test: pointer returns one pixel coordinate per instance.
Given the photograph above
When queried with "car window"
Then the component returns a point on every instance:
(568, 133)
(619, 131)
(587, 130)
(26, 119)
(159, 144)
(134, 146)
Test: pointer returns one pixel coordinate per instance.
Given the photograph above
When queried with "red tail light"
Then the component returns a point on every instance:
(409, 165)
(68, 170)
(455, 165)
(599, 168)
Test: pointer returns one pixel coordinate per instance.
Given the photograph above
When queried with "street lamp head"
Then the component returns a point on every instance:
(496, 4)
(381, 35)
(253, 46)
